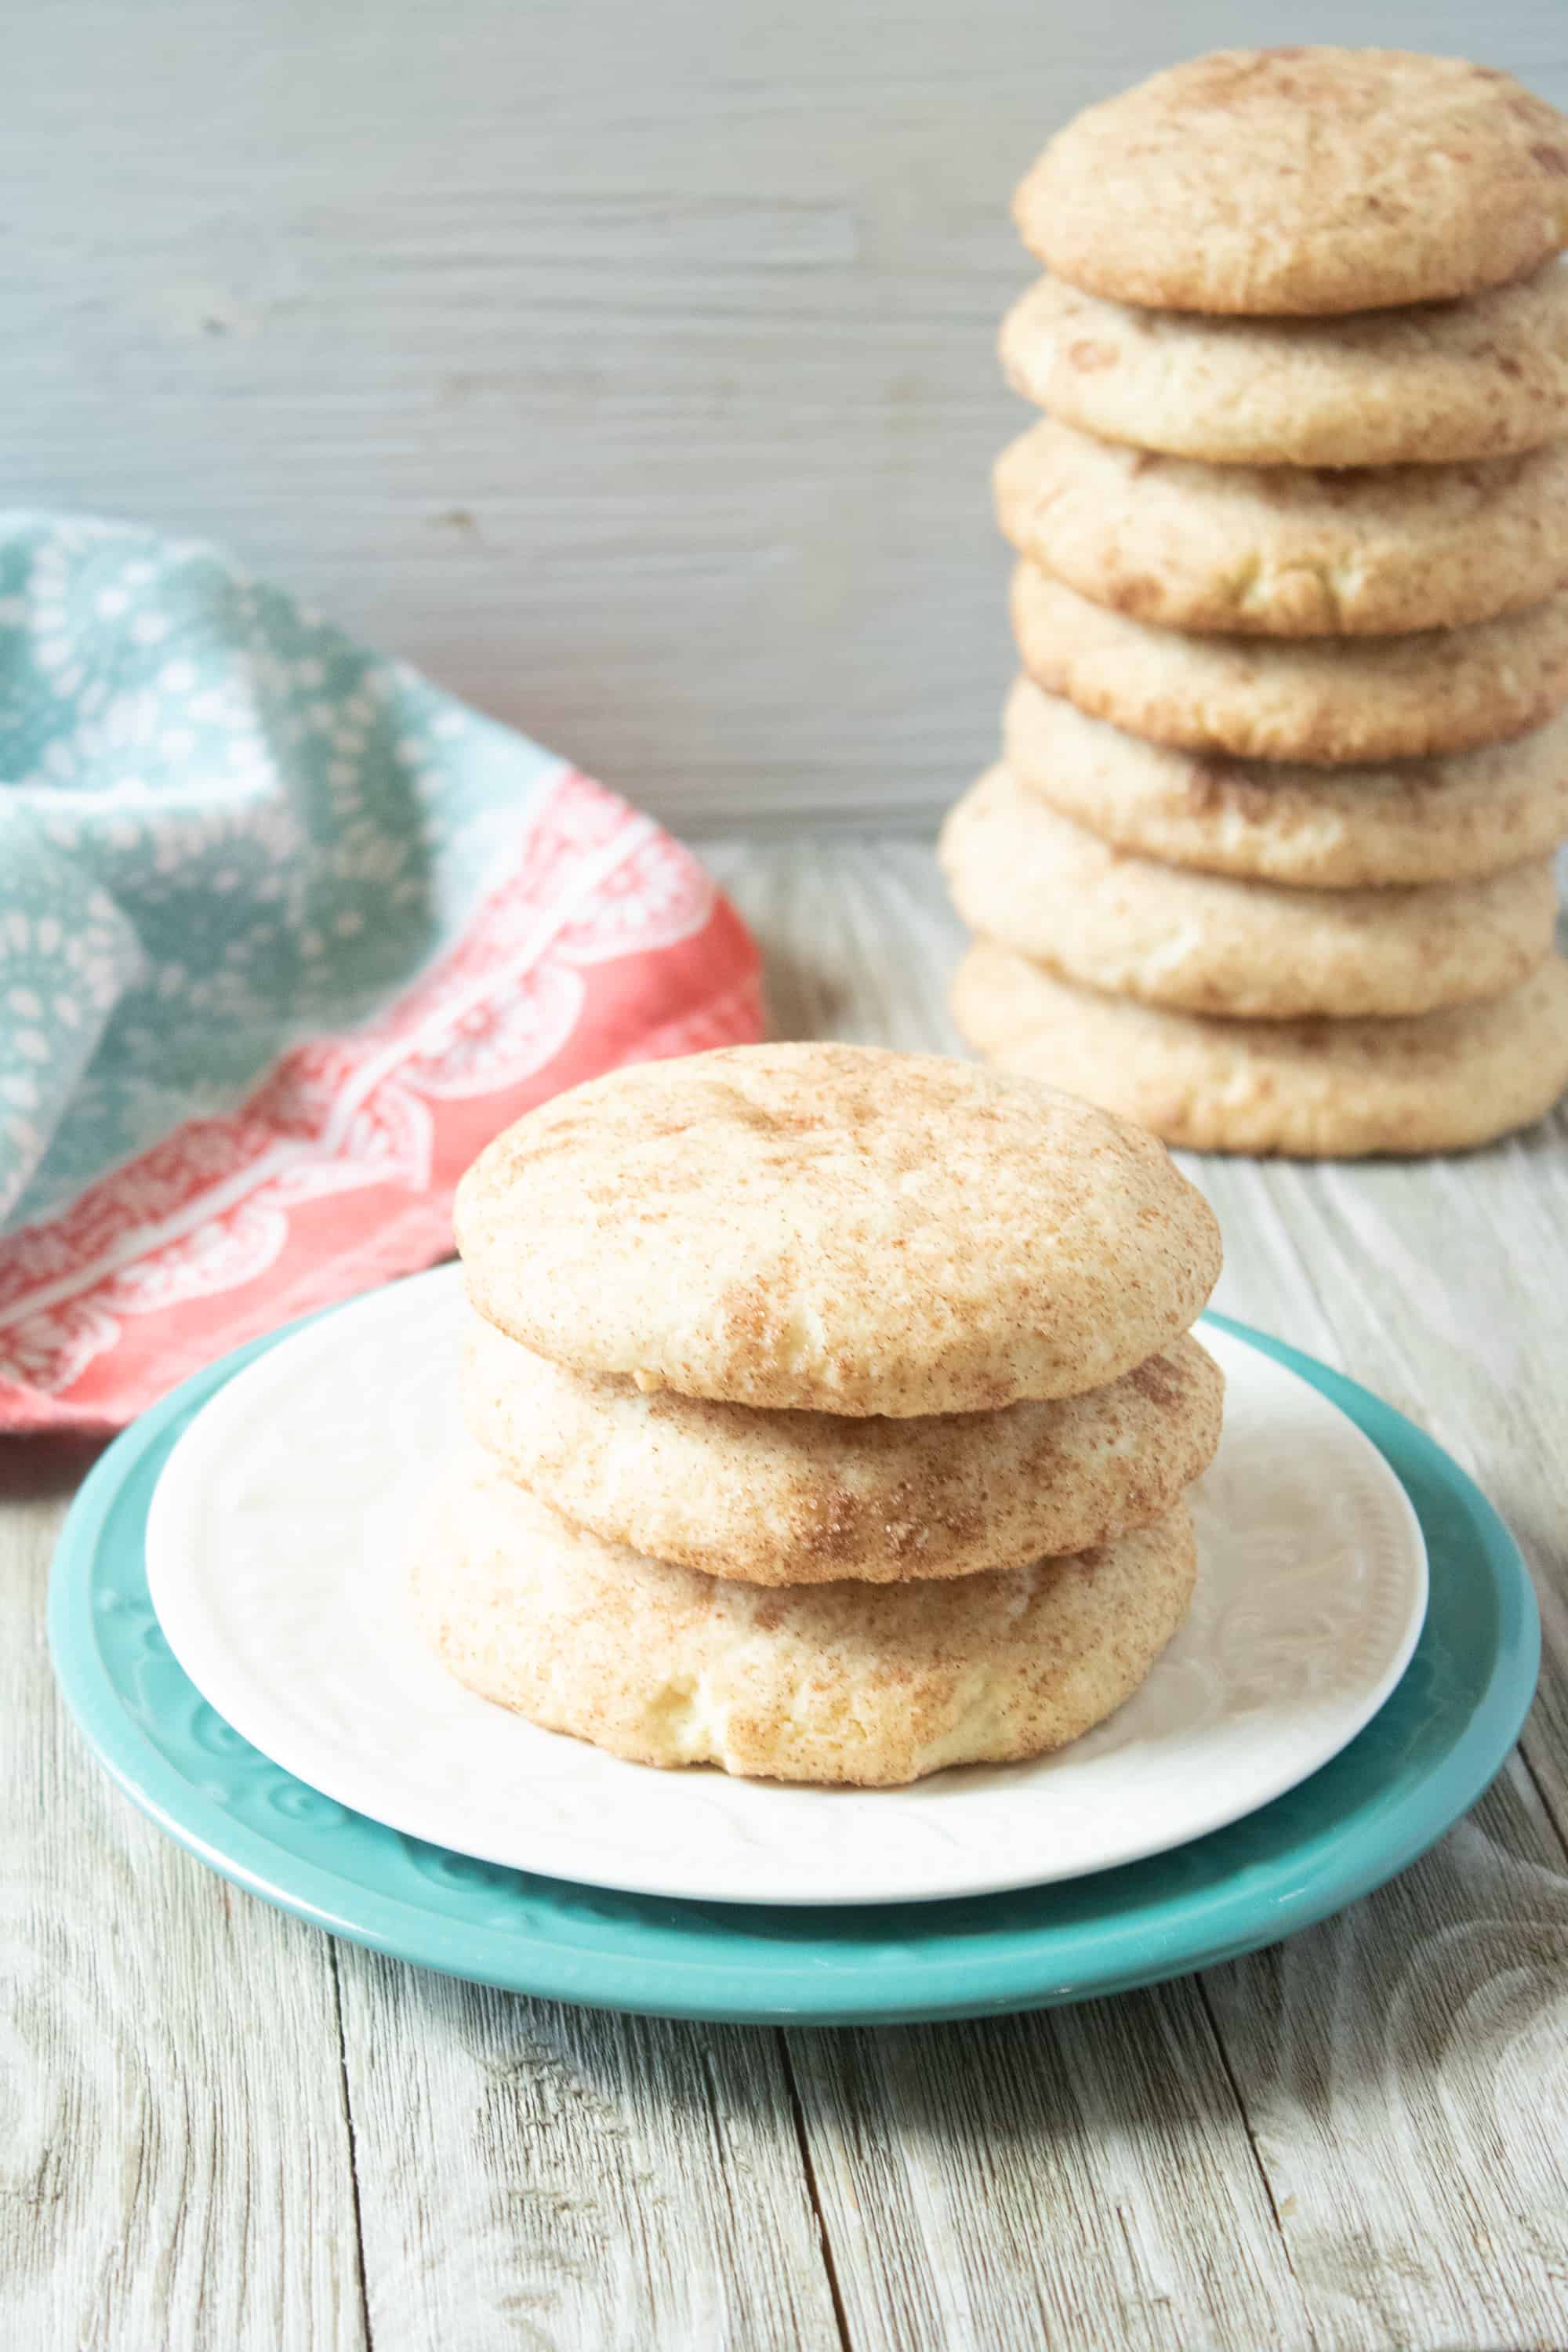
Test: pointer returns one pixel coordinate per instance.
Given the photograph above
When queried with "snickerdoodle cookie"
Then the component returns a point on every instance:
(812, 1497)
(1303, 181)
(1441, 381)
(1332, 700)
(825, 1683)
(1286, 551)
(1450, 819)
(1312, 1089)
(1023, 874)
(836, 1228)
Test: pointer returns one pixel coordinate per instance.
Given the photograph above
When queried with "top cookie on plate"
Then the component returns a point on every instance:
(1302, 182)
(837, 1228)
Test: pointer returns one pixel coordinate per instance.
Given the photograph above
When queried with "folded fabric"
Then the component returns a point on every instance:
(286, 934)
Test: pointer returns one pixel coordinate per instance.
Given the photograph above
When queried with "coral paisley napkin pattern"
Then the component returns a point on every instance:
(286, 934)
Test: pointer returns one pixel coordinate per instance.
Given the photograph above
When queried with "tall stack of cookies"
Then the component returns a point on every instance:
(833, 1410)
(1267, 863)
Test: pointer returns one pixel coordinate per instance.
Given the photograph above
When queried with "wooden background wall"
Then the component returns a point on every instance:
(626, 363)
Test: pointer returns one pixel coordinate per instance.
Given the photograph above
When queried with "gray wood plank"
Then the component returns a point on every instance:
(1404, 2069)
(550, 2216)
(175, 2152)
(630, 367)
(1419, 2039)
(1401, 2069)
(555, 2178)
(1076, 2179)
(1353, 2141)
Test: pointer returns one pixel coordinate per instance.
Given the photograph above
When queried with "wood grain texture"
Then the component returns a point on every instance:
(1079, 2178)
(173, 2139)
(629, 366)
(1402, 2071)
(550, 2179)
(1354, 2141)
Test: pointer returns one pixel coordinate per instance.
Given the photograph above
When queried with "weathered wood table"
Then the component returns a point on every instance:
(219, 2130)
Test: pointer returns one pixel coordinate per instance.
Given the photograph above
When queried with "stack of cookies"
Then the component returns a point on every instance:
(833, 1411)
(1268, 861)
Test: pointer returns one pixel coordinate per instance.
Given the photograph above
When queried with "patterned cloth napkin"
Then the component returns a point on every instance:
(286, 934)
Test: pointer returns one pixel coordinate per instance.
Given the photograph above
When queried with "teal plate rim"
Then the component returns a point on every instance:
(1424, 1760)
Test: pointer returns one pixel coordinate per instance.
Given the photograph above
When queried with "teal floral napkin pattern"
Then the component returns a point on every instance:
(227, 830)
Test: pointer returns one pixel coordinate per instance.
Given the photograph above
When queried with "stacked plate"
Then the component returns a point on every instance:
(231, 1626)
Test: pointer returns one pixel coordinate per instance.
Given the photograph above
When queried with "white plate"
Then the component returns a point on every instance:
(276, 1546)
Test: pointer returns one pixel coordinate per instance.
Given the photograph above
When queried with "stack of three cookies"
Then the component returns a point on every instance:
(834, 1412)
(1267, 863)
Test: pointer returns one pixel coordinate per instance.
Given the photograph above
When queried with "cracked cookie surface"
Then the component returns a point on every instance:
(1450, 819)
(836, 1228)
(1207, 943)
(1440, 382)
(1286, 551)
(1309, 1089)
(819, 1683)
(1336, 701)
(1302, 182)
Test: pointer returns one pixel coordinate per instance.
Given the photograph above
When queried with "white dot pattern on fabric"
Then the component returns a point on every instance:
(223, 823)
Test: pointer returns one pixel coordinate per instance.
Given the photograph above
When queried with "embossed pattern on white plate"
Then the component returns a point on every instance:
(277, 1560)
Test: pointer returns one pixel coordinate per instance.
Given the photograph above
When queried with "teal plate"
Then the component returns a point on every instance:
(1427, 1756)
